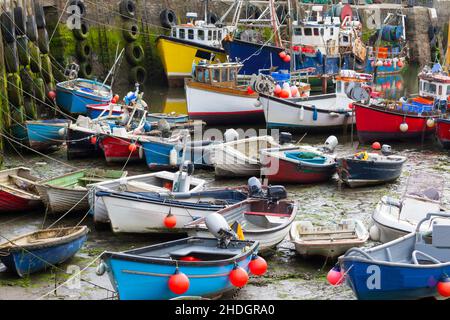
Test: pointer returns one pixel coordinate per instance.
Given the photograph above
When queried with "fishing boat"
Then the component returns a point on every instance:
(42, 249)
(41, 135)
(74, 95)
(262, 220)
(394, 218)
(143, 212)
(319, 112)
(162, 182)
(188, 43)
(297, 165)
(145, 273)
(69, 192)
(368, 168)
(410, 267)
(327, 241)
(443, 132)
(213, 95)
(171, 117)
(240, 158)
(18, 190)
(93, 111)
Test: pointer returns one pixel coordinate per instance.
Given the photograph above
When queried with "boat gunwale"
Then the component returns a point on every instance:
(304, 104)
(398, 113)
(272, 152)
(190, 44)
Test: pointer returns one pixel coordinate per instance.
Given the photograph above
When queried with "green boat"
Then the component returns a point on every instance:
(70, 191)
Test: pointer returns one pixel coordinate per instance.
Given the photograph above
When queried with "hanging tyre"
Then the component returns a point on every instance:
(30, 109)
(39, 89)
(83, 50)
(11, 57)
(130, 31)
(127, 8)
(27, 81)
(82, 32)
(85, 70)
(35, 57)
(168, 18)
(81, 7)
(22, 51)
(17, 114)
(43, 41)
(20, 21)
(138, 75)
(134, 53)
(14, 88)
(212, 18)
(32, 32)
(39, 14)
(7, 27)
(46, 64)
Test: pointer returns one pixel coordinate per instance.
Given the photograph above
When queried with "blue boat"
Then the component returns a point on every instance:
(143, 274)
(42, 249)
(94, 111)
(41, 134)
(364, 169)
(407, 268)
(169, 117)
(73, 96)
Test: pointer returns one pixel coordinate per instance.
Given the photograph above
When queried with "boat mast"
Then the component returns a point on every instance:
(273, 20)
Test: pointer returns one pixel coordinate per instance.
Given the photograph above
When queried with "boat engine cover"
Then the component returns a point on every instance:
(254, 187)
(285, 137)
(276, 193)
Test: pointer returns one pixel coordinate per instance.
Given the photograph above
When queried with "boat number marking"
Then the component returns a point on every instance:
(374, 280)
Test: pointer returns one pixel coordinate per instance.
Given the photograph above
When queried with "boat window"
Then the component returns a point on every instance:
(448, 90)
(316, 31)
(174, 32)
(215, 35)
(209, 35)
(439, 90)
(322, 31)
(432, 88)
(181, 34)
(219, 35)
(215, 75)
(298, 31)
(190, 34)
(308, 32)
(224, 75)
(338, 86)
(331, 31)
(233, 73)
(201, 35)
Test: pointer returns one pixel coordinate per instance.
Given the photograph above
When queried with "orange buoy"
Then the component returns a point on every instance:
(178, 283)
(258, 266)
(170, 221)
(287, 58)
(132, 147)
(376, 146)
(190, 258)
(250, 90)
(51, 95)
(443, 287)
(282, 54)
(238, 277)
(93, 140)
(277, 89)
(284, 94)
(334, 276)
(115, 99)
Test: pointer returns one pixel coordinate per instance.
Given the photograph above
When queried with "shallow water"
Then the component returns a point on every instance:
(288, 277)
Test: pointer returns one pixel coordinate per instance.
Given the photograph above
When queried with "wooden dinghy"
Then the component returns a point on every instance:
(69, 191)
(18, 190)
(329, 242)
(42, 249)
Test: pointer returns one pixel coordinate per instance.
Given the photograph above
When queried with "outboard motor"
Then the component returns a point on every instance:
(220, 229)
(164, 127)
(254, 187)
(182, 178)
(231, 135)
(386, 149)
(276, 193)
(330, 143)
(285, 137)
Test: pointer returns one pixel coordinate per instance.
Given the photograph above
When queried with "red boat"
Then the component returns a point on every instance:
(118, 149)
(17, 190)
(443, 132)
(383, 123)
(296, 165)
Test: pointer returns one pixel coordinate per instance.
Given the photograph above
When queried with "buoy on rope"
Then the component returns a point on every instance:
(238, 277)
(178, 283)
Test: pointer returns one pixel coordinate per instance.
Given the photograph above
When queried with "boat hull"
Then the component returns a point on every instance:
(79, 144)
(331, 251)
(177, 57)
(59, 200)
(14, 203)
(221, 105)
(443, 132)
(41, 134)
(117, 149)
(95, 110)
(373, 124)
(157, 155)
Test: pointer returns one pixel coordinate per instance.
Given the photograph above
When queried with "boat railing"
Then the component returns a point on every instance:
(429, 216)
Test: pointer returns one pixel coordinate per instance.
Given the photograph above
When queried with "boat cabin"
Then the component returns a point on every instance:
(201, 33)
(220, 74)
(436, 86)
(348, 79)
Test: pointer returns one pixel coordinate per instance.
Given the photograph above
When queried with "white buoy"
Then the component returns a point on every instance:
(62, 132)
(173, 157)
(302, 113)
(231, 135)
(430, 122)
(403, 127)
(331, 143)
(374, 233)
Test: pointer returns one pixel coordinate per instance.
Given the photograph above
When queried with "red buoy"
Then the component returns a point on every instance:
(170, 221)
(287, 58)
(250, 90)
(277, 90)
(443, 287)
(93, 140)
(132, 147)
(115, 99)
(178, 283)
(282, 54)
(190, 258)
(238, 277)
(284, 94)
(334, 276)
(400, 63)
(258, 266)
(376, 146)
(51, 95)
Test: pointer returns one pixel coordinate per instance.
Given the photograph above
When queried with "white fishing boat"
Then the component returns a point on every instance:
(327, 241)
(320, 112)
(240, 158)
(394, 218)
(261, 220)
(162, 182)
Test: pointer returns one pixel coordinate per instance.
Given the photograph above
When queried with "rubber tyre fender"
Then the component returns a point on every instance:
(14, 88)
(11, 57)
(80, 5)
(134, 53)
(32, 32)
(39, 14)
(35, 57)
(30, 109)
(85, 70)
(46, 65)
(39, 89)
(7, 27)
(137, 74)
(22, 51)
(82, 32)
(27, 81)
(20, 21)
(43, 42)
(130, 31)
(168, 18)
(127, 8)
(83, 50)
(18, 114)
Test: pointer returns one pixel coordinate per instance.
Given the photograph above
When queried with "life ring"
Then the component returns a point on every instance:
(43, 42)
(167, 18)
(362, 155)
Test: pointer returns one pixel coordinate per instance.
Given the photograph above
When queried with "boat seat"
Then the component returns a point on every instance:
(336, 237)
(13, 176)
(88, 179)
(273, 218)
(137, 186)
